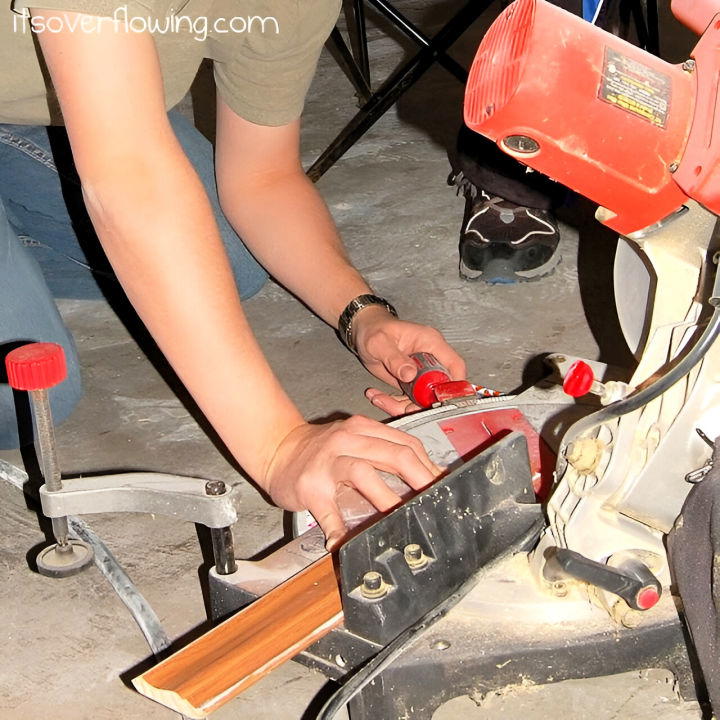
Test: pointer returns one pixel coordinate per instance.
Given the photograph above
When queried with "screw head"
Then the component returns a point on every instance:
(688, 65)
(672, 167)
(440, 644)
(495, 471)
(626, 616)
(521, 144)
(372, 580)
(585, 454)
(414, 556)
(373, 586)
(214, 487)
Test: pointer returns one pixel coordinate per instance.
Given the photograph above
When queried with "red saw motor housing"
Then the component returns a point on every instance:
(622, 127)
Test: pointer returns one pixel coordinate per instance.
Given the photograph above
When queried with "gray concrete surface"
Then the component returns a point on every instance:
(68, 648)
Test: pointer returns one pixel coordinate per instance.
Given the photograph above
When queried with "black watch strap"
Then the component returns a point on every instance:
(345, 324)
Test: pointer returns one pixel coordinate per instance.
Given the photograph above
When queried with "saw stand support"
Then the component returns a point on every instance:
(36, 368)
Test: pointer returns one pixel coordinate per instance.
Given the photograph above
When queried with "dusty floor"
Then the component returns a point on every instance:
(67, 648)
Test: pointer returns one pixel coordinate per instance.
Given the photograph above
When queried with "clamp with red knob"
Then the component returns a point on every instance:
(35, 368)
(579, 379)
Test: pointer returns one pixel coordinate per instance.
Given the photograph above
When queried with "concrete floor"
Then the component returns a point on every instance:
(68, 648)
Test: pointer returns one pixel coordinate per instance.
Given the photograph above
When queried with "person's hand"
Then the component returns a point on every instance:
(384, 345)
(393, 405)
(313, 460)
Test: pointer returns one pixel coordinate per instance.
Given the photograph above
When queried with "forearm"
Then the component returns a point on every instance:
(155, 223)
(286, 224)
(160, 235)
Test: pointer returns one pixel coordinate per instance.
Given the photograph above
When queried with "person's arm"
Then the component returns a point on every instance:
(282, 218)
(156, 225)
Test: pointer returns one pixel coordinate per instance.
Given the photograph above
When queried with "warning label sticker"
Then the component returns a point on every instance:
(635, 88)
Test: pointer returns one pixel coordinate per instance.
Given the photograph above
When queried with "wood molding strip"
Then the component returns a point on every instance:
(231, 657)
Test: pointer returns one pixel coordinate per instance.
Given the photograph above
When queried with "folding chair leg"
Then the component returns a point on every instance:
(414, 33)
(357, 78)
(361, 39)
(400, 81)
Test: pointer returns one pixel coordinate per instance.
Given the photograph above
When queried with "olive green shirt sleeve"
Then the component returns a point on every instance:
(266, 74)
(264, 51)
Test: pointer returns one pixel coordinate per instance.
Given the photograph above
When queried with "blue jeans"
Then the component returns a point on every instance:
(48, 248)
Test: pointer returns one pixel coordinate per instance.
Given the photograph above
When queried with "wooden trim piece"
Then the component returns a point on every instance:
(231, 657)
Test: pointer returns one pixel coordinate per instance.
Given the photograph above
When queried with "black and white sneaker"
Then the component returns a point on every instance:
(502, 242)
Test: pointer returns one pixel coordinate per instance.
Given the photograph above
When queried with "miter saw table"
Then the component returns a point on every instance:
(507, 630)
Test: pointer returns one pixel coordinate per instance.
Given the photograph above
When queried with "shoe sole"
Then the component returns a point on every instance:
(468, 273)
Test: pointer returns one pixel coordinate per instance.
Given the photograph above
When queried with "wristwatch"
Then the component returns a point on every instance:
(353, 308)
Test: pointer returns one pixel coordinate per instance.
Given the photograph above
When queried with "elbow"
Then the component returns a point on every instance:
(238, 188)
(114, 183)
(135, 192)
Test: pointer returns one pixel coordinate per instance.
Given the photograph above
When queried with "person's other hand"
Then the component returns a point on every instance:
(393, 405)
(313, 460)
(384, 345)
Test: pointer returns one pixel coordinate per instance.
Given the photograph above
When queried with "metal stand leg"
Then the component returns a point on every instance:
(358, 79)
(400, 81)
(414, 33)
(653, 27)
(361, 39)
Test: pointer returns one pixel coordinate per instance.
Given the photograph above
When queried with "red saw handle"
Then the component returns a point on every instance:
(432, 382)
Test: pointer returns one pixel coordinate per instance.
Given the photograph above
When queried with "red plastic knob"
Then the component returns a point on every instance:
(647, 598)
(37, 366)
(579, 379)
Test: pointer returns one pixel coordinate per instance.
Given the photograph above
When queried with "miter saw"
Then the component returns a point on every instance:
(568, 539)
(541, 555)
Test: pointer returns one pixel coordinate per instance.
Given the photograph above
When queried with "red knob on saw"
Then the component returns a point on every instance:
(37, 366)
(579, 379)
(648, 597)
(429, 374)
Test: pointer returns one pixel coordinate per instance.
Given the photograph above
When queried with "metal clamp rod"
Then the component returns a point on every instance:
(222, 538)
(223, 550)
(45, 434)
